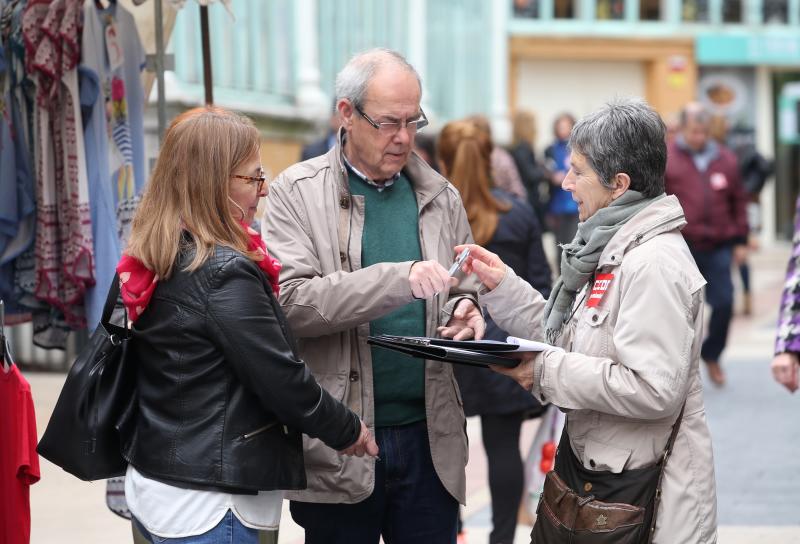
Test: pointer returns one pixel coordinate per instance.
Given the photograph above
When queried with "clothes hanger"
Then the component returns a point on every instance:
(99, 4)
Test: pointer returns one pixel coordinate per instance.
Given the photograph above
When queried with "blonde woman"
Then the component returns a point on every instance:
(222, 397)
(535, 176)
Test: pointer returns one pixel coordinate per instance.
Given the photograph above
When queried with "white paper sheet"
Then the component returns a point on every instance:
(531, 345)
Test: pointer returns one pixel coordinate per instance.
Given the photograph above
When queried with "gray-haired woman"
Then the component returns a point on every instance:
(628, 310)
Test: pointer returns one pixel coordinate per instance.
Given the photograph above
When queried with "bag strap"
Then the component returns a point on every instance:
(664, 457)
(108, 309)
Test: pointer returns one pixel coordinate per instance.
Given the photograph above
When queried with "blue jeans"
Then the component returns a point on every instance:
(409, 504)
(228, 531)
(715, 266)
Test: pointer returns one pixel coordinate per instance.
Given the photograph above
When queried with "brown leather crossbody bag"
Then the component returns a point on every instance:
(582, 506)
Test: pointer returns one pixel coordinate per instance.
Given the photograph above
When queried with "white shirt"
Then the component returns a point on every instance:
(173, 512)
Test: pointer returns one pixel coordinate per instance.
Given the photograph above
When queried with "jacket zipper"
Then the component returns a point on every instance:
(258, 431)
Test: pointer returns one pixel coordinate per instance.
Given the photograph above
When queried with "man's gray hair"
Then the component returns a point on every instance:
(694, 111)
(624, 136)
(353, 80)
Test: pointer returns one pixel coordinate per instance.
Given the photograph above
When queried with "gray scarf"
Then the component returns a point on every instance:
(579, 258)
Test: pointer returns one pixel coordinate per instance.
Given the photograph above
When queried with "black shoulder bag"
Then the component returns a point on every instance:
(91, 420)
(582, 506)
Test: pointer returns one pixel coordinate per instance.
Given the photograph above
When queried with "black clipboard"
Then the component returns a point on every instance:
(476, 353)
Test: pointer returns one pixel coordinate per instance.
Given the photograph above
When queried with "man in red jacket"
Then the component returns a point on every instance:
(704, 175)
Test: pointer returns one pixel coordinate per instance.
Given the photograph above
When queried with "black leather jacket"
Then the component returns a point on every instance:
(223, 397)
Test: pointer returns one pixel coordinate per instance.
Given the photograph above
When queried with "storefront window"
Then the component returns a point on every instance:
(695, 11)
(526, 8)
(776, 11)
(731, 11)
(564, 9)
(610, 10)
(650, 10)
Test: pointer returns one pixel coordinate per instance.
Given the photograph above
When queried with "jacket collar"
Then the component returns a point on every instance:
(661, 216)
(427, 183)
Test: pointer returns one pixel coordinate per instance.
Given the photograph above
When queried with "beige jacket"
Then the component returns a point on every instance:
(629, 365)
(313, 225)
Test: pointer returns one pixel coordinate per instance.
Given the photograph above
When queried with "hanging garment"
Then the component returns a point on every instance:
(18, 207)
(113, 97)
(19, 463)
(64, 252)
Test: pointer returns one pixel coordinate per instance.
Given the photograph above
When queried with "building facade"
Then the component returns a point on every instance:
(278, 59)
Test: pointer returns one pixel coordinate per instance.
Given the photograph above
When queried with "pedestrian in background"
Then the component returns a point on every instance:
(562, 211)
(509, 227)
(365, 233)
(754, 170)
(322, 145)
(628, 310)
(705, 177)
(425, 147)
(786, 364)
(535, 176)
(504, 171)
(223, 398)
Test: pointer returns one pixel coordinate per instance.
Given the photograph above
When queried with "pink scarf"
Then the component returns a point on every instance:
(137, 282)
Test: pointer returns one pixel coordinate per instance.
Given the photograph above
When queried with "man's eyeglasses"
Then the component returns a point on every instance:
(259, 181)
(390, 128)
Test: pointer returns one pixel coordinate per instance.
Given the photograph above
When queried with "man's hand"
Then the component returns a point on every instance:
(465, 323)
(429, 278)
(364, 444)
(739, 254)
(523, 372)
(785, 370)
(489, 268)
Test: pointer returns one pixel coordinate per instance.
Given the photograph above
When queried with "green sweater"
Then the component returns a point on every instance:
(391, 234)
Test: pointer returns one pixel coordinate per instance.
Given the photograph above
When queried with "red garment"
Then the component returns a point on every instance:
(137, 282)
(714, 201)
(19, 462)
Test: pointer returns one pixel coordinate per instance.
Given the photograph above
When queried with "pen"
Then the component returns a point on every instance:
(459, 261)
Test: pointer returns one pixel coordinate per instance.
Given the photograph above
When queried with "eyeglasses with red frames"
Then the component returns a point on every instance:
(259, 180)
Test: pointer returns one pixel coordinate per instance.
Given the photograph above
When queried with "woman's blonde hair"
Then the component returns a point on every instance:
(465, 150)
(523, 127)
(189, 189)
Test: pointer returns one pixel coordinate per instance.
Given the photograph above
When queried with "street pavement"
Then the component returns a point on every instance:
(753, 422)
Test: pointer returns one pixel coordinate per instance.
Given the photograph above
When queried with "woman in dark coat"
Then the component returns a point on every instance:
(510, 228)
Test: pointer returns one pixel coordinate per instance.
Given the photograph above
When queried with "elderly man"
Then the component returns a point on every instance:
(364, 233)
(704, 175)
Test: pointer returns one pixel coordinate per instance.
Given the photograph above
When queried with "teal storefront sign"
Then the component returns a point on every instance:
(730, 49)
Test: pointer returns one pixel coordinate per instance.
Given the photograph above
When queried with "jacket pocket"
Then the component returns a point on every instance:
(599, 456)
(255, 432)
(318, 455)
(595, 317)
(591, 335)
(334, 383)
(457, 390)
